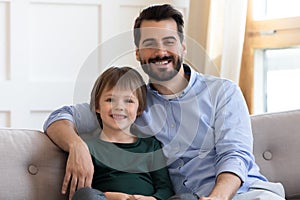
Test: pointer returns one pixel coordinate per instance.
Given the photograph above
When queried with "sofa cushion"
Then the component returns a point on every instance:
(277, 150)
(32, 167)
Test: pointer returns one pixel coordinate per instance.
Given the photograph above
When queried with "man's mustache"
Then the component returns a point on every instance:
(160, 59)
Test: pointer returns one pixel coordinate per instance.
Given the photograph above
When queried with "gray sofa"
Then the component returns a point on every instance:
(32, 167)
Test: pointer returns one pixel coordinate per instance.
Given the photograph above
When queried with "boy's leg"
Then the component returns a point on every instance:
(87, 193)
(185, 196)
(263, 191)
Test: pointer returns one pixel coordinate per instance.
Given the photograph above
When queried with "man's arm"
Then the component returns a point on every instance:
(62, 127)
(79, 169)
(225, 188)
(84, 120)
(233, 143)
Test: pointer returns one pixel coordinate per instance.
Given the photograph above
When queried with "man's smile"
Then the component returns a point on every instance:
(161, 61)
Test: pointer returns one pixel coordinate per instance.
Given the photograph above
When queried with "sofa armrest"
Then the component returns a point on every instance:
(276, 148)
(32, 166)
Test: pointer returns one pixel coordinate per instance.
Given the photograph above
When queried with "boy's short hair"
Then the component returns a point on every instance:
(119, 78)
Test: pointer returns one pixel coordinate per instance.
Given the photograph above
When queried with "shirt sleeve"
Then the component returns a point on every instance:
(233, 134)
(80, 115)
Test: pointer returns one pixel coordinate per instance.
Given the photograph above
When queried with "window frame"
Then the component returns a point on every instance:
(264, 34)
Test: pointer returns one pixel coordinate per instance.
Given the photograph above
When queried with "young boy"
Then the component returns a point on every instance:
(126, 166)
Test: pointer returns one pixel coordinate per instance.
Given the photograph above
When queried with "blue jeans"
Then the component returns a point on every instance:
(87, 193)
(184, 196)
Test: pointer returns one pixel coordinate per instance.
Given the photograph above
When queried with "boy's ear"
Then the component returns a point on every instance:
(139, 113)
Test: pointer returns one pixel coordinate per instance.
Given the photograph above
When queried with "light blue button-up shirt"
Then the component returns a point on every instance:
(205, 130)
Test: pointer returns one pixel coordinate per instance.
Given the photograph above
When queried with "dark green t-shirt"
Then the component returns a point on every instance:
(135, 168)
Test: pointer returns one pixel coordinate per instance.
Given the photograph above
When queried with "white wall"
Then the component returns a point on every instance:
(51, 50)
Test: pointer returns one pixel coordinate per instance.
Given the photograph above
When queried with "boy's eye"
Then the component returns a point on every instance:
(109, 100)
(129, 101)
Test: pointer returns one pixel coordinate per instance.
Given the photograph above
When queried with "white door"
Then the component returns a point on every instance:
(51, 51)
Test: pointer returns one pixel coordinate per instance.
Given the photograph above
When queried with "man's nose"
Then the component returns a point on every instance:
(160, 50)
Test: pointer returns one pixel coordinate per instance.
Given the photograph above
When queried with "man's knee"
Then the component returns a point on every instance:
(261, 190)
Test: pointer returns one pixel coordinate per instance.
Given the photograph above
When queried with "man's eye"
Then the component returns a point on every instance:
(149, 44)
(169, 42)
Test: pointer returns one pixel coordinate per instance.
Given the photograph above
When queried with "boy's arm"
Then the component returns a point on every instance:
(160, 176)
(162, 184)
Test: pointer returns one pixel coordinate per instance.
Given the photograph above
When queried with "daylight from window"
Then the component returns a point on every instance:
(277, 70)
(282, 79)
(270, 9)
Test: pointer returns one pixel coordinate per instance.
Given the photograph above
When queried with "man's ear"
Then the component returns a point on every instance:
(137, 54)
(183, 44)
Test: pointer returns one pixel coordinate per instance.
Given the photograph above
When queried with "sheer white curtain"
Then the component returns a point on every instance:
(219, 26)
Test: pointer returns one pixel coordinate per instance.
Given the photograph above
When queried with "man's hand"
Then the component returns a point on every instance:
(79, 169)
(225, 188)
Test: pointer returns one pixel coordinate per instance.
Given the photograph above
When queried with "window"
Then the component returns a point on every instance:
(272, 9)
(271, 59)
(277, 80)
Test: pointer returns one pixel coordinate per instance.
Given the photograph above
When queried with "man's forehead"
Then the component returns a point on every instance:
(167, 26)
(158, 33)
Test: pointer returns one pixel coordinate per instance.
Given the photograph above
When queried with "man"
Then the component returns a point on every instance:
(202, 121)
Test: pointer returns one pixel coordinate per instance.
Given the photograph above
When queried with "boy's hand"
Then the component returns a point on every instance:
(118, 196)
(142, 197)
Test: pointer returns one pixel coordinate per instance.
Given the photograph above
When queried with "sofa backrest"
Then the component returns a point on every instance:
(277, 150)
(31, 166)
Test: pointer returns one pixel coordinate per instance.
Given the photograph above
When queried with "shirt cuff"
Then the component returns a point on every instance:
(236, 167)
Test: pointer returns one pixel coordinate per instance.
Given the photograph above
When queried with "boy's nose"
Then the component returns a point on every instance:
(118, 105)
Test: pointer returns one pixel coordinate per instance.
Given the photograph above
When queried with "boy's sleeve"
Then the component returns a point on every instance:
(161, 178)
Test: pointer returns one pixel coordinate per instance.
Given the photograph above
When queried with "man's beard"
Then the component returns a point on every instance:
(164, 74)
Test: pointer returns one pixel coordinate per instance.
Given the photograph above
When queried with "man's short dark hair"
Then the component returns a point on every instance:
(158, 13)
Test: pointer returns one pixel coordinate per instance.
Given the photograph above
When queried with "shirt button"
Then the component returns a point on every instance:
(172, 125)
(180, 163)
(184, 182)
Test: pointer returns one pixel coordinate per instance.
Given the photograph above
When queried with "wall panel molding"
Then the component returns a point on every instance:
(68, 2)
(4, 40)
(4, 119)
(45, 46)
